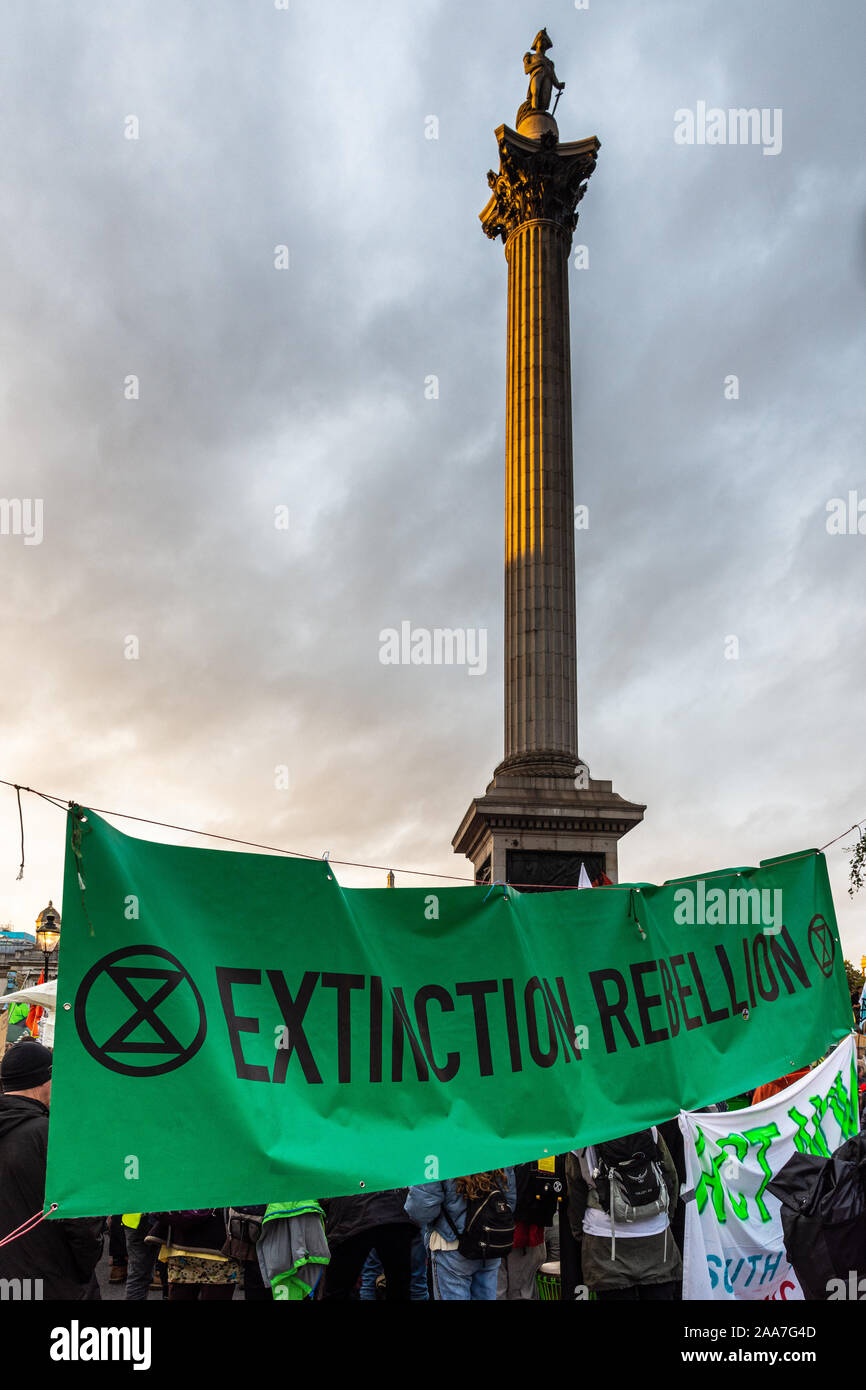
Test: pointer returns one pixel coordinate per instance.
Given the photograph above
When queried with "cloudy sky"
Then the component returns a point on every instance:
(303, 388)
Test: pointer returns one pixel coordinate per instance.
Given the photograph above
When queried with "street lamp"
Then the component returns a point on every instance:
(47, 933)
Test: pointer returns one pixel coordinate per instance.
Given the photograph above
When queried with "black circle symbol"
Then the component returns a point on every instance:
(169, 977)
(822, 944)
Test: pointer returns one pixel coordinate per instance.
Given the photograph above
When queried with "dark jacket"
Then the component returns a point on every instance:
(428, 1204)
(526, 1176)
(349, 1216)
(63, 1254)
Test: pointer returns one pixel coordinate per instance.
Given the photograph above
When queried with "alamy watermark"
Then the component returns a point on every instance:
(21, 1290)
(846, 516)
(441, 646)
(739, 125)
(854, 1289)
(22, 516)
(77, 1343)
(713, 907)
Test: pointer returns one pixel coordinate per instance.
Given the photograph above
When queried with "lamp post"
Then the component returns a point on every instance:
(47, 933)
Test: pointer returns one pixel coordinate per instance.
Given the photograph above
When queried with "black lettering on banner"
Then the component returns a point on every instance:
(236, 1024)
(344, 984)
(375, 1027)
(772, 990)
(677, 962)
(609, 1009)
(452, 1061)
(478, 989)
(790, 957)
(645, 1001)
(737, 1005)
(711, 1015)
(401, 1026)
(293, 1011)
(670, 1002)
(563, 1017)
(748, 972)
(511, 1025)
(541, 1059)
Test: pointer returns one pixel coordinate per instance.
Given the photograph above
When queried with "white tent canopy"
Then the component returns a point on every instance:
(45, 995)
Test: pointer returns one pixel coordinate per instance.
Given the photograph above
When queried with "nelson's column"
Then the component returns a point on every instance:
(543, 815)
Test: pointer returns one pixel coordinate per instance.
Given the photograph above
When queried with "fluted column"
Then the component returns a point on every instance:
(534, 210)
(534, 827)
(540, 636)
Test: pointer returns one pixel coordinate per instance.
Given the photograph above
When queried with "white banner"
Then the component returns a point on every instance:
(733, 1242)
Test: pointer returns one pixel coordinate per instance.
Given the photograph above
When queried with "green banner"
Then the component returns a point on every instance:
(238, 1028)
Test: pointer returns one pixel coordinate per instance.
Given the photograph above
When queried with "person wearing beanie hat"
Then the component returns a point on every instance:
(62, 1254)
(27, 1067)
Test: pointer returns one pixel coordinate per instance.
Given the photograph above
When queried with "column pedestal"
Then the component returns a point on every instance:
(536, 832)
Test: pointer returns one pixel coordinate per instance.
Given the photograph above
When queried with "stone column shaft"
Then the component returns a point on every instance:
(540, 635)
(533, 208)
(535, 826)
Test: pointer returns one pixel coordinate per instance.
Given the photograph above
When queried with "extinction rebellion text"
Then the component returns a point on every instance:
(379, 1033)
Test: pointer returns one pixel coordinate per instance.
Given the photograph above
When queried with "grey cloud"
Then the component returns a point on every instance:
(305, 388)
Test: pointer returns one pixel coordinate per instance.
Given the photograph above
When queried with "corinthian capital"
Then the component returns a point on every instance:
(537, 179)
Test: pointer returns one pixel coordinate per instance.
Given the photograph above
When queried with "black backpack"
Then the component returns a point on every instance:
(629, 1179)
(488, 1231)
(538, 1194)
(545, 1190)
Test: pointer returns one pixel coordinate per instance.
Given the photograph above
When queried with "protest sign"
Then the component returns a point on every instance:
(734, 1247)
(238, 1028)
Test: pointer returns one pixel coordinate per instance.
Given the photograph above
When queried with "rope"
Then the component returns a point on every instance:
(64, 803)
(856, 827)
(30, 1224)
(21, 822)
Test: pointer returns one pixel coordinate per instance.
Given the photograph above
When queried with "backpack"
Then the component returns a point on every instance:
(243, 1233)
(538, 1194)
(488, 1231)
(629, 1181)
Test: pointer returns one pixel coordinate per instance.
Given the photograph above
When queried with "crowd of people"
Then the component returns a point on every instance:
(483, 1236)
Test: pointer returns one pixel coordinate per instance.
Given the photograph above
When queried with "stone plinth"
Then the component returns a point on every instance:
(536, 831)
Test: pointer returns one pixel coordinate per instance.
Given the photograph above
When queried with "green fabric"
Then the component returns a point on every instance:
(299, 1037)
(18, 1012)
(740, 1102)
(290, 1287)
(279, 1210)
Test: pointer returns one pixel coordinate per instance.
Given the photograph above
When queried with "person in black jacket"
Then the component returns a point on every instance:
(354, 1226)
(62, 1254)
(537, 1204)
